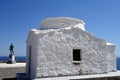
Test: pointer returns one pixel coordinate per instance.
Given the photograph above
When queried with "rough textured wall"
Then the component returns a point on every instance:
(31, 55)
(52, 53)
(111, 57)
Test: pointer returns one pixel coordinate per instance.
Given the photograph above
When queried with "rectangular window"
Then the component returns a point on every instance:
(76, 54)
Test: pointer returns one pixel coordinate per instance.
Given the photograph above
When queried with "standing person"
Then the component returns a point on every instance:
(11, 59)
(11, 48)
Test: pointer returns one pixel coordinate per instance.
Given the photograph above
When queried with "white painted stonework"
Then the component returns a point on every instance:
(50, 50)
(61, 22)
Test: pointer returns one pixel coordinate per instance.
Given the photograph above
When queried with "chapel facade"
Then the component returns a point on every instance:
(62, 47)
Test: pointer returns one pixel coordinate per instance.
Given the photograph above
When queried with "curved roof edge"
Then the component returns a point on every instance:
(60, 22)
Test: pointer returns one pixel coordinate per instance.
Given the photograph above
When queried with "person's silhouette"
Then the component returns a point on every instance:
(11, 48)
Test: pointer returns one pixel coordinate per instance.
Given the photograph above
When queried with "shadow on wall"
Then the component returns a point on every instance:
(9, 79)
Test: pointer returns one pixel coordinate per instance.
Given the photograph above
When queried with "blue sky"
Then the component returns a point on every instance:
(17, 17)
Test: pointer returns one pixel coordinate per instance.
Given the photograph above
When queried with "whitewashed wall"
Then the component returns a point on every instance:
(111, 57)
(31, 68)
(52, 53)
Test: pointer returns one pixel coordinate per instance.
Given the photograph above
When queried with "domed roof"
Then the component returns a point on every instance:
(60, 22)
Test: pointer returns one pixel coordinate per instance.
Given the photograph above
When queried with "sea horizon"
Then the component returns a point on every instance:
(17, 58)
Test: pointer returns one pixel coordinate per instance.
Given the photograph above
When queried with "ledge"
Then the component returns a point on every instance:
(5, 65)
(77, 62)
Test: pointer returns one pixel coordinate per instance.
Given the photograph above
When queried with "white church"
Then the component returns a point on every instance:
(62, 47)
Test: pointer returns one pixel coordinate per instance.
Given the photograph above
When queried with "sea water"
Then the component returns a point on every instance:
(118, 63)
(17, 58)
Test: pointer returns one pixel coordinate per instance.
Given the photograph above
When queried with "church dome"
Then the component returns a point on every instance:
(60, 22)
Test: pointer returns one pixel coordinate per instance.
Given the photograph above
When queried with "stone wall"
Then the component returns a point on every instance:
(52, 53)
(111, 57)
(31, 59)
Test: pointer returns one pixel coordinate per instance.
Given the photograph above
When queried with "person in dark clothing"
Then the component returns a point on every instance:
(11, 48)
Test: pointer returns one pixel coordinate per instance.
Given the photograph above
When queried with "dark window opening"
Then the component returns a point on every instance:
(76, 55)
